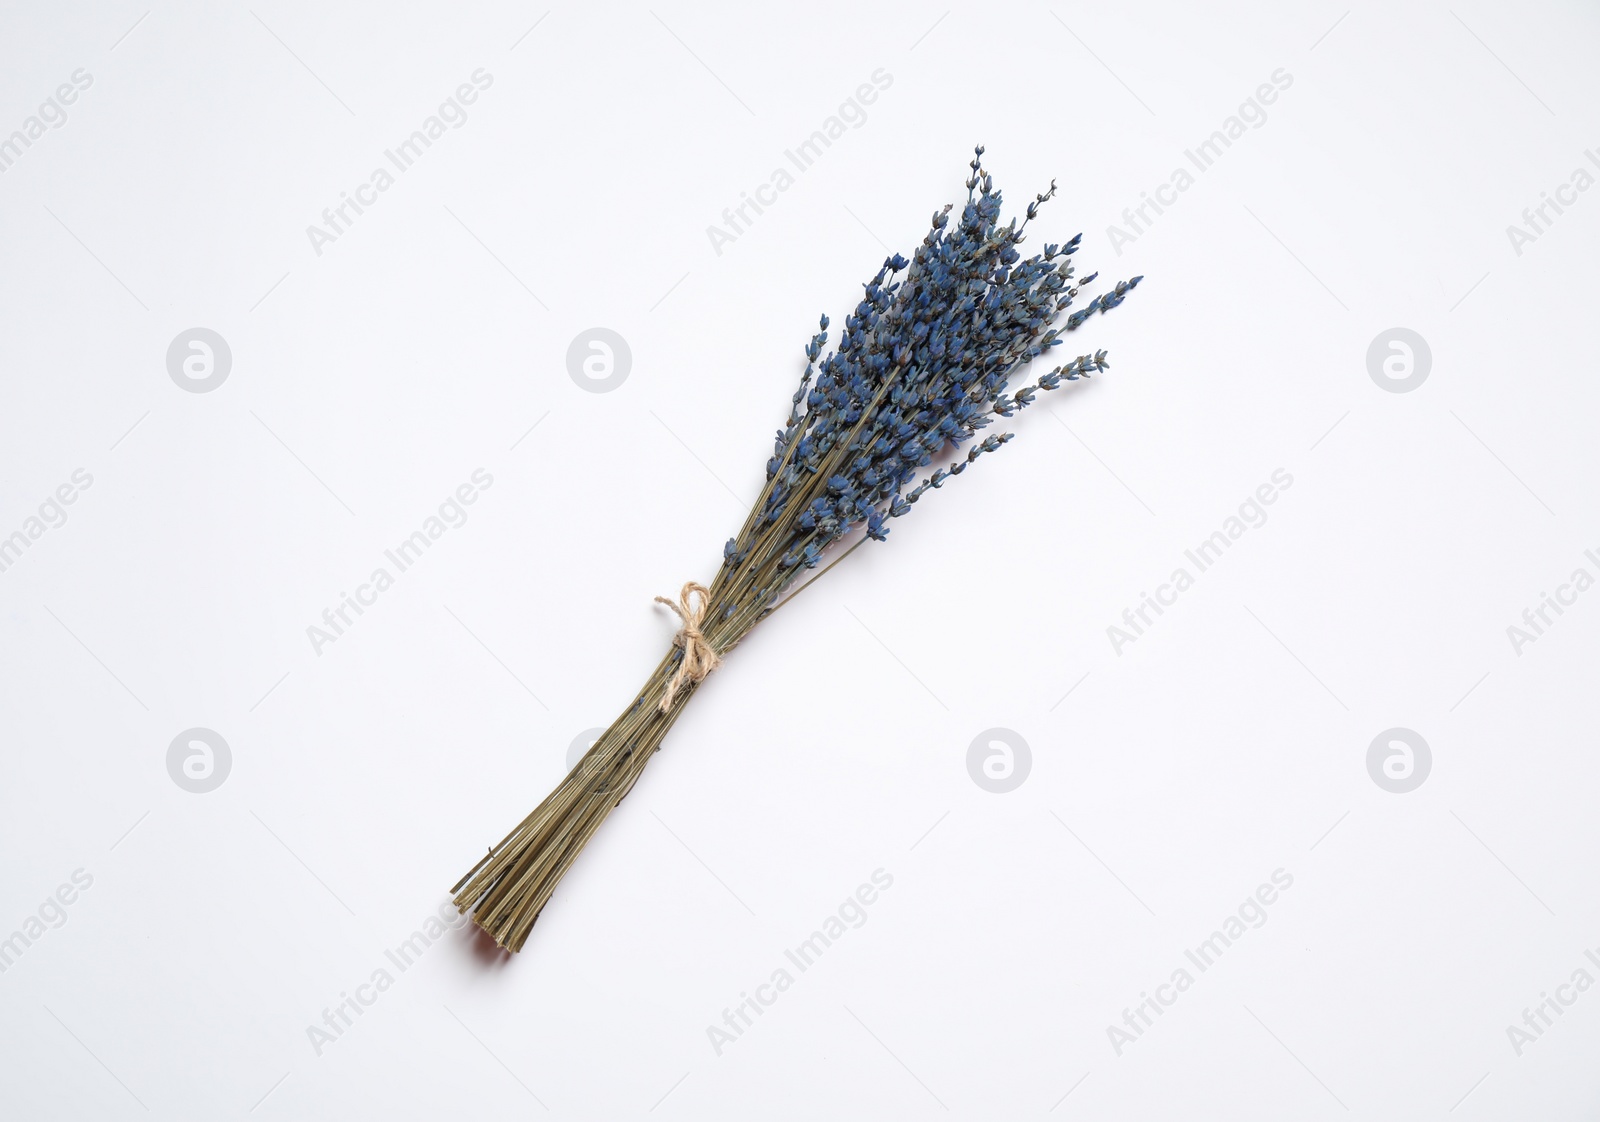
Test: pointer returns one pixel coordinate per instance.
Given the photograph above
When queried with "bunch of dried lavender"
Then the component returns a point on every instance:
(923, 363)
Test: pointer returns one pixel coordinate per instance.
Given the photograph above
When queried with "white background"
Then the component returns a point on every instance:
(1230, 740)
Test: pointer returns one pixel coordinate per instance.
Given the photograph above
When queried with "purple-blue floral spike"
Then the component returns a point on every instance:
(923, 362)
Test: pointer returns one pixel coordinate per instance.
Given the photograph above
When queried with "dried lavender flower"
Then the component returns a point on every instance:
(923, 362)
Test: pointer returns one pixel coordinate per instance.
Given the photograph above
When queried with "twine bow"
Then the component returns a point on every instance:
(698, 657)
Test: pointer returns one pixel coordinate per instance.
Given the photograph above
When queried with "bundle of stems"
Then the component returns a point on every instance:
(924, 362)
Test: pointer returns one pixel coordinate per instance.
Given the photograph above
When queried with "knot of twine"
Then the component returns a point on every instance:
(698, 657)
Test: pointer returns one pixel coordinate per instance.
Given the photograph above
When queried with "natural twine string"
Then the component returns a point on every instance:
(698, 657)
